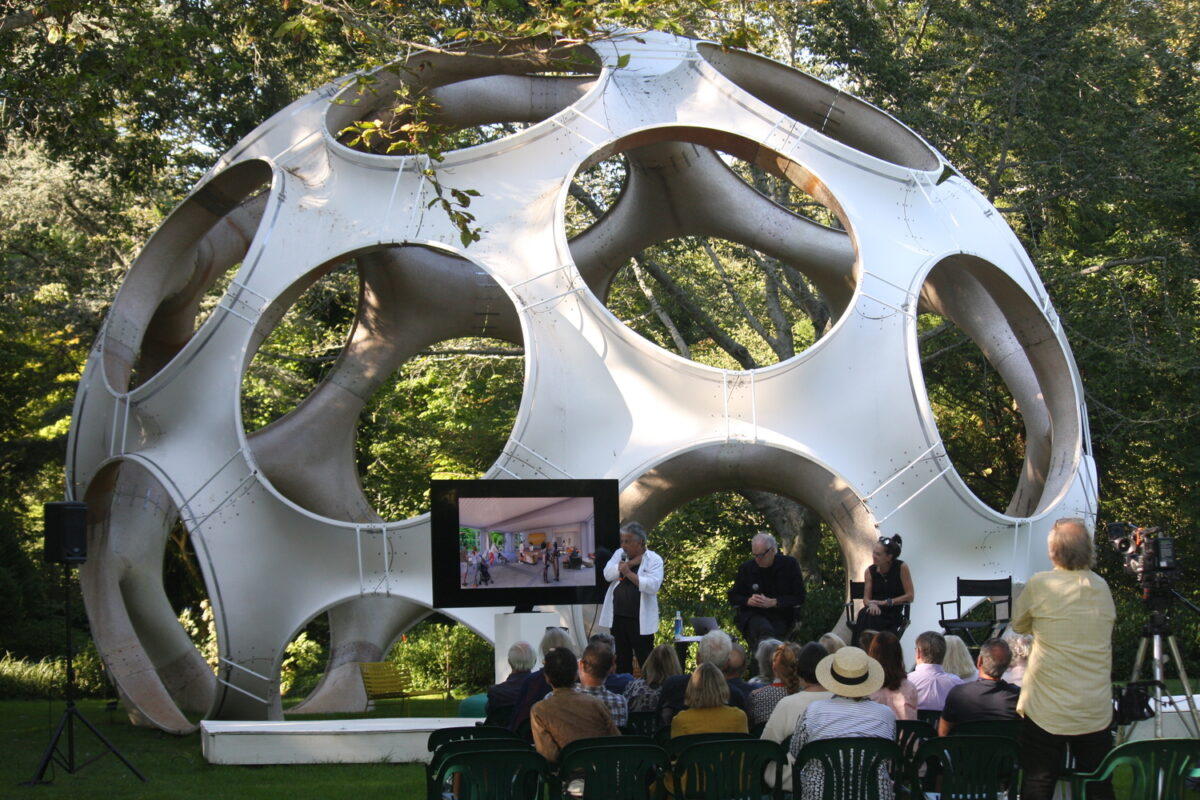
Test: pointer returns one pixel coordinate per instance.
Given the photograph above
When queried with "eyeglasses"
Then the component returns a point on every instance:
(764, 553)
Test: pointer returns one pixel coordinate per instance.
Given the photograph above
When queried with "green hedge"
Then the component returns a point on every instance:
(445, 656)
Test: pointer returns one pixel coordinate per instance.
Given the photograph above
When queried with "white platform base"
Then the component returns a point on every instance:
(350, 741)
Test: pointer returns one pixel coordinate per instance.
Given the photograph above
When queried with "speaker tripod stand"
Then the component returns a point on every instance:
(67, 723)
(1155, 635)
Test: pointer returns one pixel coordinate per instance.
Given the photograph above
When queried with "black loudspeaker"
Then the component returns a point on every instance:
(66, 532)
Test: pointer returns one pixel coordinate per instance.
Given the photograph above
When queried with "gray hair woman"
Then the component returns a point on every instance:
(764, 655)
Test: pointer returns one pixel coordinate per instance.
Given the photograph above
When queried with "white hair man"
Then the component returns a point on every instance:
(521, 659)
(768, 591)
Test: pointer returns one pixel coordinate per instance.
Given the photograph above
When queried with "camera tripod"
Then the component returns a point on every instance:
(1155, 634)
(67, 722)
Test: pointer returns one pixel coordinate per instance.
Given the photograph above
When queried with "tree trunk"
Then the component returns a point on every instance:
(796, 526)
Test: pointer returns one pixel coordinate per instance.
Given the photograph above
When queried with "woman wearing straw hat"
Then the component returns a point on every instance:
(852, 676)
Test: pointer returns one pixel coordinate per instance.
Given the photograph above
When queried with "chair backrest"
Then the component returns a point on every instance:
(910, 734)
(970, 767)
(998, 589)
(677, 744)
(458, 746)
(485, 774)
(443, 735)
(728, 769)
(929, 717)
(850, 768)
(1160, 767)
(857, 589)
(641, 723)
(1008, 728)
(617, 770)
(603, 741)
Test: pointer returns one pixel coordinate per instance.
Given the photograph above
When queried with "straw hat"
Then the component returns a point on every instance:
(850, 672)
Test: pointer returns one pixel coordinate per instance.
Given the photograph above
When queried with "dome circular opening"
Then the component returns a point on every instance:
(711, 246)
(178, 279)
(450, 102)
(396, 365)
(999, 386)
(834, 113)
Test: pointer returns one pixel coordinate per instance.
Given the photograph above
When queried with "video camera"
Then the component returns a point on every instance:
(1149, 555)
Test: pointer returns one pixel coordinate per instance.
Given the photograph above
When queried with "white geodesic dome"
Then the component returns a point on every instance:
(278, 519)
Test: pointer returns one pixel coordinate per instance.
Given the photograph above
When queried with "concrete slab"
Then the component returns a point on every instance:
(348, 741)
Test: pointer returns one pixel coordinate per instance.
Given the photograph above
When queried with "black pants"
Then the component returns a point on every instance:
(759, 626)
(889, 619)
(1043, 755)
(630, 642)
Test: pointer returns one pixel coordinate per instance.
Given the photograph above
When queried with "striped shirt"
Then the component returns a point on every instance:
(836, 718)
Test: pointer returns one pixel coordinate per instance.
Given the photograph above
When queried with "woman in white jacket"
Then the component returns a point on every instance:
(630, 608)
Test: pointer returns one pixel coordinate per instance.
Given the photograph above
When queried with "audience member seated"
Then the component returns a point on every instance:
(536, 686)
(715, 648)
(831, 642)
(933, 683)
(958, 659)
(789, 710)
(597, 664)
(852, 676)
(617, 681)
(521, 659)
(764, 654)
(897, 692)
(707, 711)
(986, 699)
(864, 639)
(763, 700)
(735, 668)
(1020, 644)
(566, 715)
(642, 693)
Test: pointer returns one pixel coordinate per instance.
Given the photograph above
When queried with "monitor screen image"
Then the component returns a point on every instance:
(521, 543)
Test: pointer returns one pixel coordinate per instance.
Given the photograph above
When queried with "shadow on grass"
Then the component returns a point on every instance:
(174, 766)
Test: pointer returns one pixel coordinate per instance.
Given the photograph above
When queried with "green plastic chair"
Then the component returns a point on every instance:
(910, 734)
(728, 769)
(484, 774)
(443, 735)
(641, 723)
(454, 748)
(969, 767)
(603, 741)
(1159, 768)
(851, 767)
(620, 769)
(1008, 728)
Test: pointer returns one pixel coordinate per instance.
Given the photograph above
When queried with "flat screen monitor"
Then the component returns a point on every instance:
(521, 543)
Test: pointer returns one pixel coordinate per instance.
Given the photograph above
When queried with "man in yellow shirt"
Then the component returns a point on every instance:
(1066, 696)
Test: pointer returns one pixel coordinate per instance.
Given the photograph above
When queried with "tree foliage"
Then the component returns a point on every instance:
(1077, 118)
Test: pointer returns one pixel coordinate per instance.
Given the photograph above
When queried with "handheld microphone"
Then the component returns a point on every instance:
(624, 558)
(754, 588)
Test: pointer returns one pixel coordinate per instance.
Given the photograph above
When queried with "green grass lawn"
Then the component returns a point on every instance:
(174, 766)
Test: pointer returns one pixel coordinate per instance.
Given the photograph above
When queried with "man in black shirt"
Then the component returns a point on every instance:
(768, 591)
(989, 698)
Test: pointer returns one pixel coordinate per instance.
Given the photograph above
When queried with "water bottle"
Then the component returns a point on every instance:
(678, 624)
